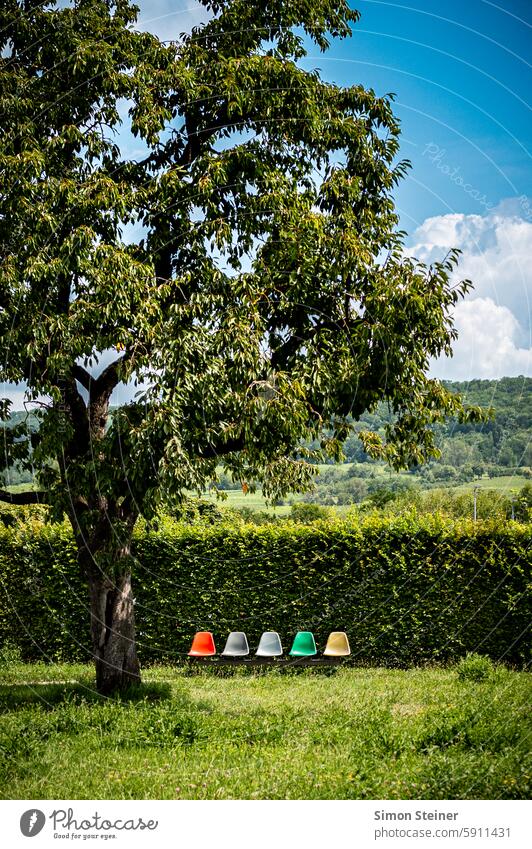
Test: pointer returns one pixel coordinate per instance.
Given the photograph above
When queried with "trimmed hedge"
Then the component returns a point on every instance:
(406, 591)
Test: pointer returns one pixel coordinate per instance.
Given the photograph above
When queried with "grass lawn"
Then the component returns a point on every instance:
(355, 733)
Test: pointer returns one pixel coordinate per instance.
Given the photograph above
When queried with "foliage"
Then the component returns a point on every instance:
(250, 303)
(256, 517)
(10, 654)
(306, 513)
(475, 667)
(407, 590)
(469, 451)
(522, 504)
(491, 504)
(194, 511)
(381, 496)
(359, 734)
(342, 485)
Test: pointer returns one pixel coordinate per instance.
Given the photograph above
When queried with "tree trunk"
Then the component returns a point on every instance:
(103, 537)
(113, 632)
(111, 609)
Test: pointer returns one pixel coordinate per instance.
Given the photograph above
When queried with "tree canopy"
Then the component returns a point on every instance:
(246, 269)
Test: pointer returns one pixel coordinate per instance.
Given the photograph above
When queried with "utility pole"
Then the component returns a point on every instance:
(475, 491)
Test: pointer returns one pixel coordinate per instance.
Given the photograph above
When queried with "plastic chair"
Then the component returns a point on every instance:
(236, 645)
(202, 645)
(337, 645)
(304, 645)
(269, 645)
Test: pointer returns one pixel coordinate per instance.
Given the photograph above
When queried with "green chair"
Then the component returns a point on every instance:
(304, 645)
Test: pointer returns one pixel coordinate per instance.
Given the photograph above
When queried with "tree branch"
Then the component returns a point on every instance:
(100, 392)
(78, 412)
(97, 386)
(105, 383)
(82, 376)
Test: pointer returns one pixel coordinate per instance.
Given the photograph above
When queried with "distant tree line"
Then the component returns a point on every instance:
(469, 451)
(492, 449)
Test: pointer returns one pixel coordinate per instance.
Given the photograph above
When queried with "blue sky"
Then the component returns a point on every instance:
(462, 76)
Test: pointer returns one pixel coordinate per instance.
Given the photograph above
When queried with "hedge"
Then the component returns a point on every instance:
(406, 591)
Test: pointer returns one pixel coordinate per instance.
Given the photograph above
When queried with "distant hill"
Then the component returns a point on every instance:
(498, 448)
(504, 441)
(502, 446)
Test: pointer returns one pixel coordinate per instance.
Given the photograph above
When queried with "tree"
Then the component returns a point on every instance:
(253, 308)
(523, 505)
(305, 513)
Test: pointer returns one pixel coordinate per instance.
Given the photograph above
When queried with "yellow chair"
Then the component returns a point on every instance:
(337, 645)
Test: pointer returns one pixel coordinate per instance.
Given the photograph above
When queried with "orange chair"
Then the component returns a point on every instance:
(202, 645)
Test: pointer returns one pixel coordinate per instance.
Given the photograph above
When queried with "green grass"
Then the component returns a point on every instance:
(505, 484)
(356, 733)
(253, 500)
(20, 487)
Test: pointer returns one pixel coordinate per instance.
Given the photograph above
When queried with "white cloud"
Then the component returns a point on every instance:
(496, 255)
(494, 321)
(487, 344)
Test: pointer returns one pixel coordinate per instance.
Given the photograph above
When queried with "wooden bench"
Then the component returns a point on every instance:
(277, 662)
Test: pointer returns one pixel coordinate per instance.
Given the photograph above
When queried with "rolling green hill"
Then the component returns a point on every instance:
(497, 453)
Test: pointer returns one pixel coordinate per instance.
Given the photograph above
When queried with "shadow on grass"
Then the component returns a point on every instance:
(241, 670)
(48, 696)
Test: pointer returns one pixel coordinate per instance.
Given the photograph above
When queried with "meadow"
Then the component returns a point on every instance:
(349, 733)
(504, 485)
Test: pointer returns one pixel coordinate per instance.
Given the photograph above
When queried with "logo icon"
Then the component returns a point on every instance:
(32, 822)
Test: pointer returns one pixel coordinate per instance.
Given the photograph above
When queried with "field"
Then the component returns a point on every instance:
(253, 500)
(355, 733)
(505, 485)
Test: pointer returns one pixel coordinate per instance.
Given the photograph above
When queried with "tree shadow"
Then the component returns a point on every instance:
(49, 696)
(244, 670)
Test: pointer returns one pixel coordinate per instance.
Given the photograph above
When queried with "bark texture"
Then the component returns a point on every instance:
(112, 614)
(113, 632)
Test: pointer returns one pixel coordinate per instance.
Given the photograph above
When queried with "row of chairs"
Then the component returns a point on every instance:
(237, 645)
